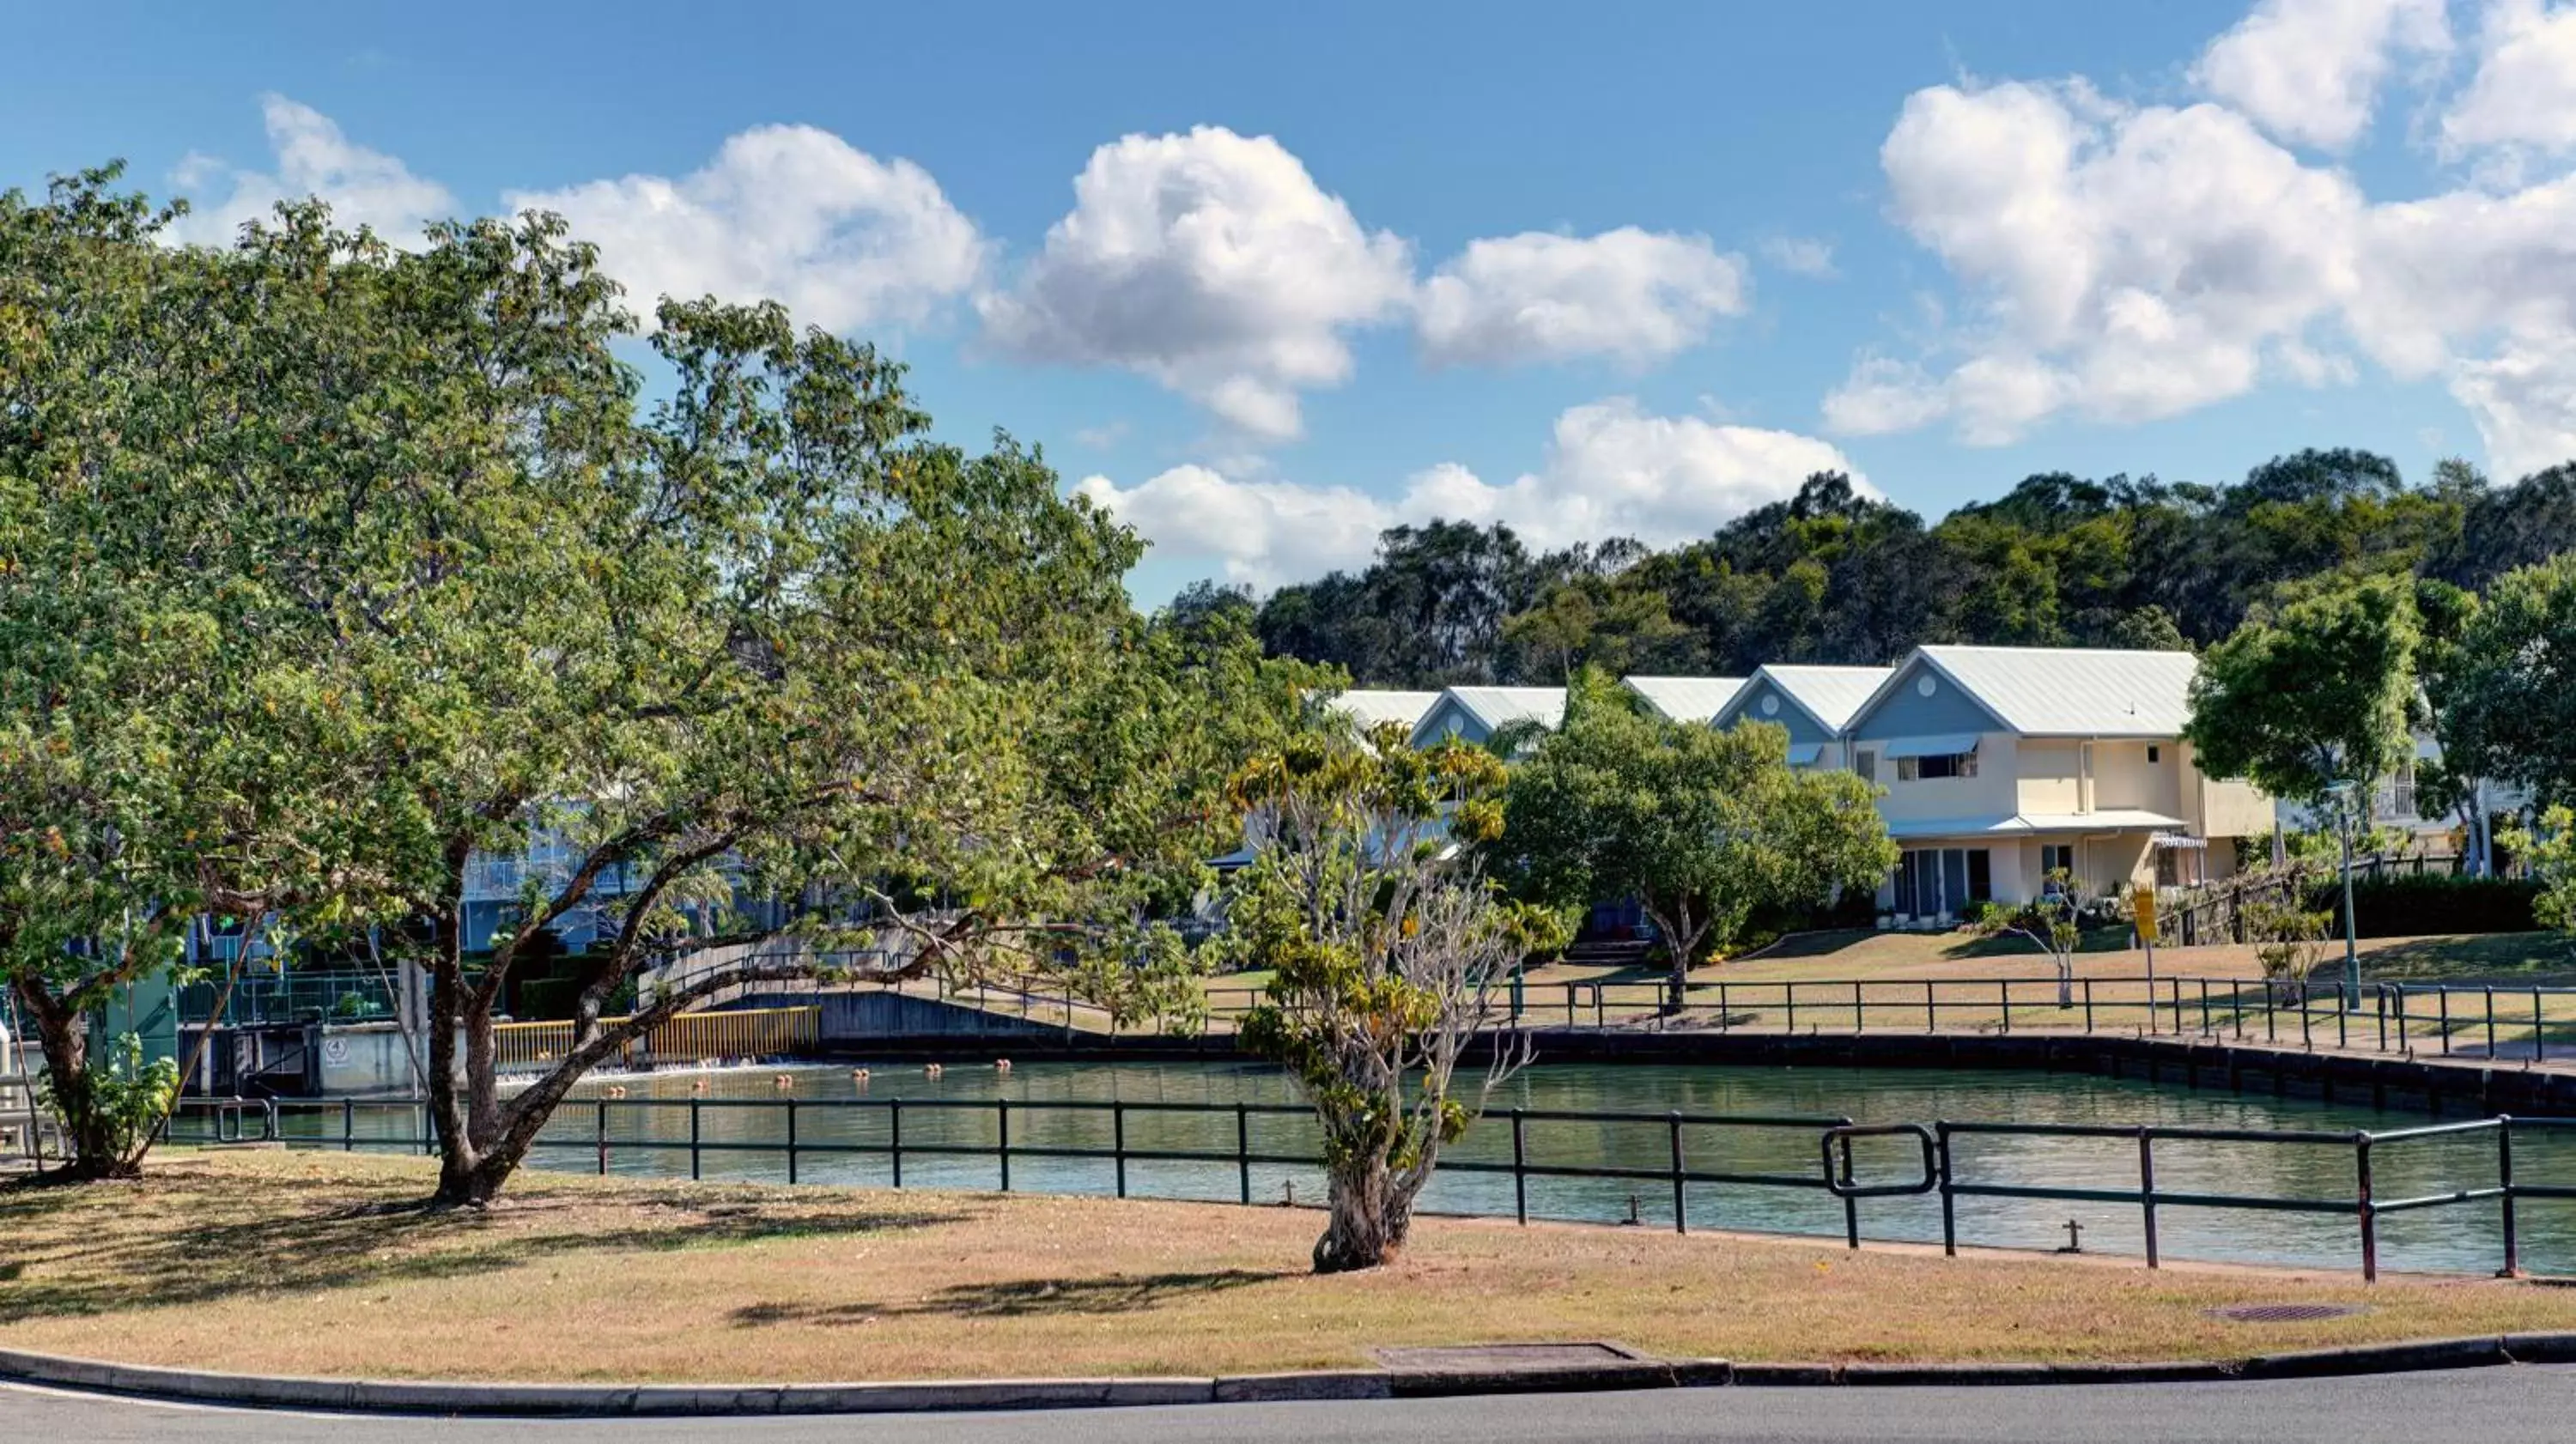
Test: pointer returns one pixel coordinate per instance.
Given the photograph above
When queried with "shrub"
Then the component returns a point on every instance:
(2410, 906)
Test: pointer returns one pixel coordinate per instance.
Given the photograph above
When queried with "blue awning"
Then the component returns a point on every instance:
(1804, 754)
(1948, 744)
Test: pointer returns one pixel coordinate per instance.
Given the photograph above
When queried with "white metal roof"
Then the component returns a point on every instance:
(1370, 706)
(1829, 694)
(1685, 699)
(2071, 691)
(1496, 706)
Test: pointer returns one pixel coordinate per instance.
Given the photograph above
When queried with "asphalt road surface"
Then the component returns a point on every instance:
(2488, 1406)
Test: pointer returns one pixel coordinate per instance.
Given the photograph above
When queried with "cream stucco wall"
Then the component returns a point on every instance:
(1993, 791)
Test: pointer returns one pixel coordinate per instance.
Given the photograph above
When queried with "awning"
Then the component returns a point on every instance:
(2107, 819)
(2177, 840)
(2025, 824)
(1804, 754)
(1949, 744)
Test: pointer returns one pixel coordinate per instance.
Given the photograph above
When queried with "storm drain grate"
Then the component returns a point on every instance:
(1507, 1356)
(2285, 1313)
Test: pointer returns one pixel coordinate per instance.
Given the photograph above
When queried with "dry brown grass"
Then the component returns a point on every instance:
(315, 1263)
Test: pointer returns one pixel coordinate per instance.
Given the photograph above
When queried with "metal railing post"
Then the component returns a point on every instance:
(1851, 1202)
(2367, 1209)
(894, 1139)
(2504, 1184)
(693, 1138)
(1002, 1124)
(1681, 1208)
(2491, 1033)
(1243, 1153)
(599, 1133)
(1791, 990)
(2088, 1006)
(2004, 988)
(1949, 1200)
(1520, 1171)
(2442, 994)
(348, 1125)
(791, 1140)
(1725, 1009)
(1118, 1141)
(2147, 1190)
(1931, 1009)
(1860, 1022)
(2539, 1031)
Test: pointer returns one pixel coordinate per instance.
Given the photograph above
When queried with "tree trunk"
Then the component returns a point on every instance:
(1372, 1211)
(64, 1035)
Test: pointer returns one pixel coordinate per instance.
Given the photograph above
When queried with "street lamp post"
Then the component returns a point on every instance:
(2345, 794)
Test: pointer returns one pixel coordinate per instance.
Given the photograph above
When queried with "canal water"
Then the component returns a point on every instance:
(649, 1129)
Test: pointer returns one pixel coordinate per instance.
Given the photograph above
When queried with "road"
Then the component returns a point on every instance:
(2490, 1406)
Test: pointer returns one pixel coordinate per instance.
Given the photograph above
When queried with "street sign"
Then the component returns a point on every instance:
(2144, 906)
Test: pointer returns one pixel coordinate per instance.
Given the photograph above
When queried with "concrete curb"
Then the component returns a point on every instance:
(391, 1396)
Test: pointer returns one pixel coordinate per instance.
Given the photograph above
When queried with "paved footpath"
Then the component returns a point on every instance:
(2522, 1405)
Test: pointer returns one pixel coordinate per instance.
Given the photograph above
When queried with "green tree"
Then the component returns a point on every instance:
(2318, 694)
(163, 754)
(2508, 688)
(1389, 950)
(1702, 827)
(2046, 922)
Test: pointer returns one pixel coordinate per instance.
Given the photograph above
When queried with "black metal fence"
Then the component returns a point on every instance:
(2528, 1021)
(584, 1128)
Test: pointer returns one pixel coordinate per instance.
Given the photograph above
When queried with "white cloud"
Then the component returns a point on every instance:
(1801, 256)
(1636, 295)
(2523, 400)
(1212, 263)
(787, 213)
(1261, 532)
(2124, 263)
(2309, 71)
(1610, 470)
(2524, 91)
(312, 157)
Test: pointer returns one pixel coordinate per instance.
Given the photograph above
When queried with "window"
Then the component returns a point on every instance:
(2155, 754)
(1865, 766)
(1921, 769)
(2057, 857)
(1981, 876)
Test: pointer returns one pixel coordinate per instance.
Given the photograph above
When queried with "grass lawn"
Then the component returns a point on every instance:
(315, 1263)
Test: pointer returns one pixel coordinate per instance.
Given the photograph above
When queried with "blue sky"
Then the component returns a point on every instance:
(1264, 280)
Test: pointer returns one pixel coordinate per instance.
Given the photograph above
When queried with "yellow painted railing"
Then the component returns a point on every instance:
(690, 1037)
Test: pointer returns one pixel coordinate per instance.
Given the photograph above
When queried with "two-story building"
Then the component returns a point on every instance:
(2004, 766)
(1815, 705)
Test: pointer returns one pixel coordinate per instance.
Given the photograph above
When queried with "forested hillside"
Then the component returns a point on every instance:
(1835, 576)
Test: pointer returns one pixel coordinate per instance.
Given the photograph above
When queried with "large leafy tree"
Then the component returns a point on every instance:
(1704, 828)
(2317, 694)
(783, 681)
(1389, 952)
(164, 752)
(2507, 699)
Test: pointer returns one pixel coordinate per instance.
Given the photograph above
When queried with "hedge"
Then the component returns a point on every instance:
(2414, 906)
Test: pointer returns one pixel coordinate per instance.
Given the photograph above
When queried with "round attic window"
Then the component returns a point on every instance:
(1770, 706)
(1924, 686)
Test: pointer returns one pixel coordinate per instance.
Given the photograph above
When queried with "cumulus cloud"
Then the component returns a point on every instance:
(2309, 71)
(2125, 263)
(1214, 264)
(312, 157)
(1636, 295)
(788, 213)
(2524, 89)
(1611, 469)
